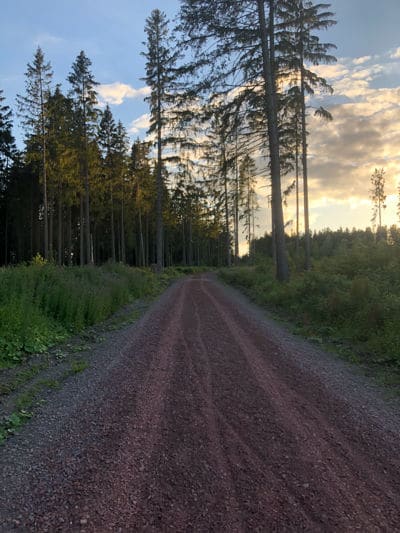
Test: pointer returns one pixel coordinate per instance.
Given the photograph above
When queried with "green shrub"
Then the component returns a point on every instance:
(353, 296)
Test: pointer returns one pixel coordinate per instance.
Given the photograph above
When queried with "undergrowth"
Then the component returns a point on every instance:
(351, 300)
(41, 304)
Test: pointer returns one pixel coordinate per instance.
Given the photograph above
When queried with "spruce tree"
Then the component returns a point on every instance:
(33, 110)
(106, 138)
(85, 98)
(160, 77)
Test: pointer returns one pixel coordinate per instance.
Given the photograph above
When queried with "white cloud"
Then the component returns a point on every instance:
(361, 60)
(140, 123)
(47, 39)
(395, 54)
(116, 93)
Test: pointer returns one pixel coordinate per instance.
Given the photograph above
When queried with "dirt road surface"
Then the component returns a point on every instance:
(206, 416)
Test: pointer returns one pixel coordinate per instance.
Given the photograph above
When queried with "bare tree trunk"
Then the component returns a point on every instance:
(190, 251)
(159, 203)
(183, 243)
(305, 172)
(60, 254)
(142, 249)
(147, 240)
(236, 201)
(297, 197)
(282, 268)
(69, 236)
(81, 234)
(51, 227)
(6, 237)
(123, 249)
(226, 204)
(112, 228)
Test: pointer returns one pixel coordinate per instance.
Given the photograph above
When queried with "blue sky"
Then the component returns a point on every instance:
(366, 79)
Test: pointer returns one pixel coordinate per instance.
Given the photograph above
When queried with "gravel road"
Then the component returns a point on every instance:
(206, 416)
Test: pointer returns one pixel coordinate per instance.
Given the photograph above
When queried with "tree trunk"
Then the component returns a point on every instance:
(142, 249)
(183, 243)
(112, 229)
(305, 172)
(226, 203)
(6, 237)
(69, 236)
(60, 254)
(51, 227)
(297, 196)
(282, 268)
(190, 248)
(81, 234)
(123, 249)
(236, 202)
(159, 214)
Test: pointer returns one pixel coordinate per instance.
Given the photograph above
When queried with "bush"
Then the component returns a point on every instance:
(352, 296)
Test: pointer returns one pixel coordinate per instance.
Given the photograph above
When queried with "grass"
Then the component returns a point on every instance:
(41, 305)
(350, 301)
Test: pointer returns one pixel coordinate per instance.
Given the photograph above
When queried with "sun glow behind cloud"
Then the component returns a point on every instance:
(364, 135)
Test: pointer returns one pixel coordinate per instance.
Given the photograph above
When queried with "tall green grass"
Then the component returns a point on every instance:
(351, 299)
(41, 305)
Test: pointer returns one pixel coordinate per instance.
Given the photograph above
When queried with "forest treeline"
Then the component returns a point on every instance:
(229, 103)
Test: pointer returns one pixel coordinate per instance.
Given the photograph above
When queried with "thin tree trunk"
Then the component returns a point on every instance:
(81, 234)
(297, 196)
(305, 172)
(183, 243)
(123, 249)
(69, 236)
(6, 237)
(227, 230)
(190, 250)
(142, 250)
(282, 268)
(236, 200)
(112, 229)
(159, 215)
(51, 227)
(60, 254)
(147, 241)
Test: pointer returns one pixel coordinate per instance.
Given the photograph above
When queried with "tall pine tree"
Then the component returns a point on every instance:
(160, 76)
(33, 110)
(85, 97)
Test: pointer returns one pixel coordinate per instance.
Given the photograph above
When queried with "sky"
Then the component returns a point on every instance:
(365, 132)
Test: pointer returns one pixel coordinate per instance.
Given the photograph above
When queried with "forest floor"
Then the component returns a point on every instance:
(206, 415)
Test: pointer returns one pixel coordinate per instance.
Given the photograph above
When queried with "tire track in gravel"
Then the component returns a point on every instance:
(203, 422)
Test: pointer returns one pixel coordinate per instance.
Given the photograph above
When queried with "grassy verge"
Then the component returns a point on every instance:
(350, 303)
(42, 305)
(27, 378)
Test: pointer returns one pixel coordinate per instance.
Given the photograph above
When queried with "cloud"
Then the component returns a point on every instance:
(116, 93)
(47, 39)
(343, 154)
(140, 123)
(395, 54)
(361, 60)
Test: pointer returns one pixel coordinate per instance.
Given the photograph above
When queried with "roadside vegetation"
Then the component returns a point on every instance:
(350, 299)
(41, 304)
